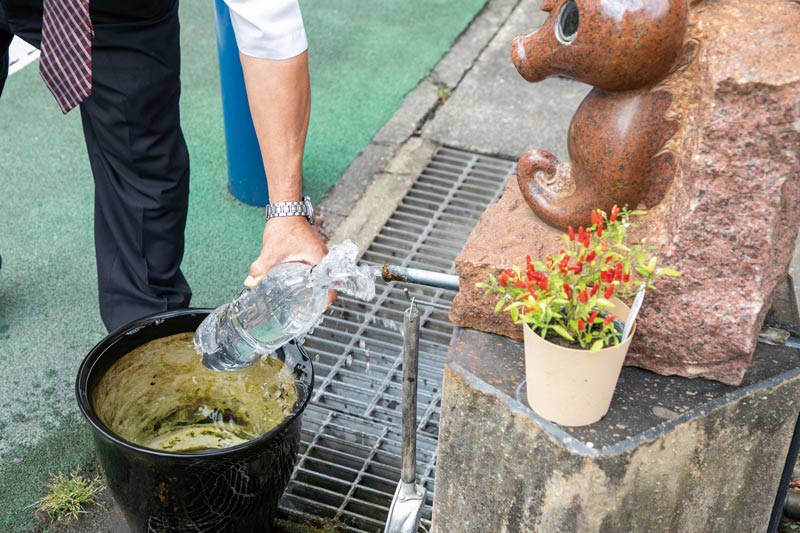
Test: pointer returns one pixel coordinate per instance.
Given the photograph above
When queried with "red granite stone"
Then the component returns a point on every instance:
(617, 137)
(730, 216)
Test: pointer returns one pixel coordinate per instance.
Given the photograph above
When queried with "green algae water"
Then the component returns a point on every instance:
(162, 397)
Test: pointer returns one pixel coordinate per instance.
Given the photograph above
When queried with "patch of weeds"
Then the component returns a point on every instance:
(788, 526)
(309, 524)
(443, 93)
(67, 495)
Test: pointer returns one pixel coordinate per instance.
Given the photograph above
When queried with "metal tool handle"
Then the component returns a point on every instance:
(410, 364)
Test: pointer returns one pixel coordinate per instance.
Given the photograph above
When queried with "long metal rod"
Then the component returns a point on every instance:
(410, 359)
(418, 276)
(783, 486)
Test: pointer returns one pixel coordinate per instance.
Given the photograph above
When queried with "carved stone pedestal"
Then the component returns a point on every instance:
(671, 455)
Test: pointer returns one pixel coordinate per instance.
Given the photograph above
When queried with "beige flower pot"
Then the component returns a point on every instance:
(572, 387)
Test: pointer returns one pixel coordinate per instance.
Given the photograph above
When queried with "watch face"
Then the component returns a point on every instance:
(309, 209)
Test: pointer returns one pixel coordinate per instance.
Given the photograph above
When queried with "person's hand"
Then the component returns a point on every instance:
(287, 239)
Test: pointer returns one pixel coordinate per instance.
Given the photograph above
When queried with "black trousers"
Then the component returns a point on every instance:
(137, 152)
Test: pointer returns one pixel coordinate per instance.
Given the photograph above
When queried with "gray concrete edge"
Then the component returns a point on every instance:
(359, 204)
(577, 447)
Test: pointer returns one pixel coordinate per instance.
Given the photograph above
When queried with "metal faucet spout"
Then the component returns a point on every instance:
(417, 276)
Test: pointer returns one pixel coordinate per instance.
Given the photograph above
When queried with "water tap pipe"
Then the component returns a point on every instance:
(418, 276)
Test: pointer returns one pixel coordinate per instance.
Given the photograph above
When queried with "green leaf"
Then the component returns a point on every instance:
(597, 346)
(558, 328)
(499, 306)
(669, 272)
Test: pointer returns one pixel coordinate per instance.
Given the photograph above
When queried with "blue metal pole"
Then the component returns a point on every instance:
(246, 178)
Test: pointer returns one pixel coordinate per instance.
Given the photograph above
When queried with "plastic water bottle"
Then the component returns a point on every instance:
(285, 305)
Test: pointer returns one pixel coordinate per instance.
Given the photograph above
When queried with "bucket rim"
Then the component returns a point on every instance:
(85, 371)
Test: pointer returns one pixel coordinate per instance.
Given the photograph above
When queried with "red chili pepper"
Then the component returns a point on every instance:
(530, 309)
(576, 268)
(543, 284)
(594, 217)
(590, 256)
(581, 234)
(567, 289)
(583, 296)
(607, 276)
(609, 319)
(626, 277)
(600, 228)
(593, 316)
(587, 239)
(618, 272)
(528, 261)
(581, 325)
(614, 213)
(570, 233)
(594, 290)
(503, 279)
(564, 262)
(519, 284)
(609, 291)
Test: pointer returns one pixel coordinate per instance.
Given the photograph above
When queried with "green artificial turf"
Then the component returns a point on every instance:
(364, 56)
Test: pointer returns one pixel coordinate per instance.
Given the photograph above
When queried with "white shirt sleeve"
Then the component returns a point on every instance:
(270, 29)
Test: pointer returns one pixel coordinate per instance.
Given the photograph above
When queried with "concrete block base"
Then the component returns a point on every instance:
(671, 455)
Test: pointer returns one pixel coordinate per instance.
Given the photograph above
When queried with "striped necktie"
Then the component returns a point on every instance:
(66, 59)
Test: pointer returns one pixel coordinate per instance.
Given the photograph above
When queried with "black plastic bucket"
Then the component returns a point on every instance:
(233, 489)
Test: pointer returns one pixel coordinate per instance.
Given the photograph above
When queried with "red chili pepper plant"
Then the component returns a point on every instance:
(570, 293)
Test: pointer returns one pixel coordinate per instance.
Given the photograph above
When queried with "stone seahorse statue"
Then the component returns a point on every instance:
(617, 138)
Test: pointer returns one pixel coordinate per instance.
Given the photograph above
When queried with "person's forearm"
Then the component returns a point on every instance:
(279, 94)
(280, 100)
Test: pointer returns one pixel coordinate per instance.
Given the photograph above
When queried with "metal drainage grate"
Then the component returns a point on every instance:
(350, 455)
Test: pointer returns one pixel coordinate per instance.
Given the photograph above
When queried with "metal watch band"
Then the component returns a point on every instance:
(291, 209)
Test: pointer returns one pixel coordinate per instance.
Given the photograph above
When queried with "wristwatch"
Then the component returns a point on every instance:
(303, 208)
